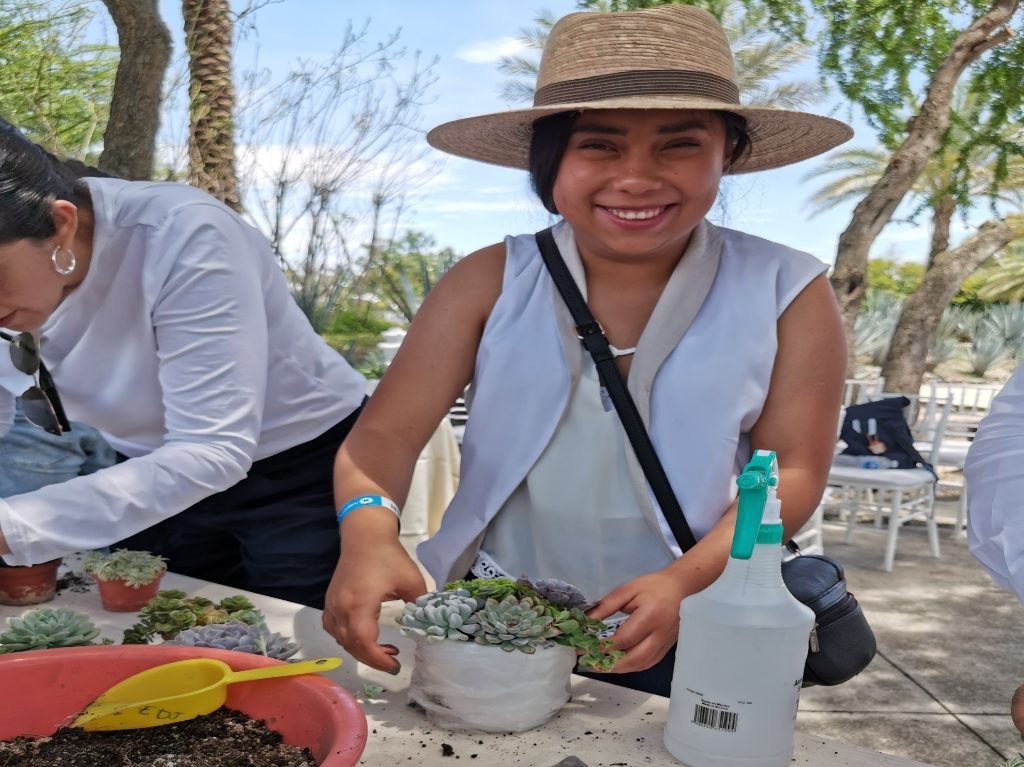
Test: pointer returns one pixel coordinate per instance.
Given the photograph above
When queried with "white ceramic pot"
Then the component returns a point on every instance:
(468, 686)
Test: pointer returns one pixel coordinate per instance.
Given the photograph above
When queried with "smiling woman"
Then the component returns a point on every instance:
(730, 343)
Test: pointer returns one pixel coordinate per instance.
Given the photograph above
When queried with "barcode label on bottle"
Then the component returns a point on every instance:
(714, 718)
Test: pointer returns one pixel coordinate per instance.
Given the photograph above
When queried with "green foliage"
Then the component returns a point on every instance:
(54, 86)
(900, 278)
(45, 628)
(369, 691)
(1017, 761)
(136, 568)
(171, 612)
(408, 270)
(878, 51)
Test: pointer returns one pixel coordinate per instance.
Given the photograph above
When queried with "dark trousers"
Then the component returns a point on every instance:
(274, 533)
(656, 680)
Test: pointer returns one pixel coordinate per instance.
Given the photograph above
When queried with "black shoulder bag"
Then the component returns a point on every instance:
(841, 644)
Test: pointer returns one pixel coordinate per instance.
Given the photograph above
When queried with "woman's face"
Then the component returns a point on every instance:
(30, 288)
(634, 183)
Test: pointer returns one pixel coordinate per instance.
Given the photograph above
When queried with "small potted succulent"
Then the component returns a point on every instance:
(45, 628)
(28, 584)
(127, 579)
(497, 655)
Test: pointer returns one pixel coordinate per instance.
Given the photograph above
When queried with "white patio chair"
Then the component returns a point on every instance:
(458, 414)
(809, 538)
(894, 496)
(857, 390)
(969, 404)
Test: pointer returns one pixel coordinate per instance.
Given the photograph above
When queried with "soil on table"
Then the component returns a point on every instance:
(224, 738)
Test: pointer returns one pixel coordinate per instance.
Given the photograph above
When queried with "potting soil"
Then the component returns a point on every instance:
(224, 738)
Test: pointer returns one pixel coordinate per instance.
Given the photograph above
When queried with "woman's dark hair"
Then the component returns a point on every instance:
(31, 179)
(551, 136)
(547, 145)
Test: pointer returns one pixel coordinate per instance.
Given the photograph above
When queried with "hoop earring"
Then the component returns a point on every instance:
(66, 269)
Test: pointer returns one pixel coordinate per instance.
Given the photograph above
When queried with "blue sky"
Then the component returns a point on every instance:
(469, 205)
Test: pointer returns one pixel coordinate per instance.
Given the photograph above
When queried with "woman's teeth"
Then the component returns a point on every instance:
(636, 215)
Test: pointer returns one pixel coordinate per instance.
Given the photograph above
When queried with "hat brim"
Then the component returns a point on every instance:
(778, 137)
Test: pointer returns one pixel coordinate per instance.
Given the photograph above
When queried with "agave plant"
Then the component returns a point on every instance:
(238, 636)
(515, 624)
(440, 615)
(45, 628)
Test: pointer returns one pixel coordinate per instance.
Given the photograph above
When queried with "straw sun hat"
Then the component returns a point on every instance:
(670, 57)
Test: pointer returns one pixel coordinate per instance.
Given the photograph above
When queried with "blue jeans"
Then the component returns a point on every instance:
(31, 458)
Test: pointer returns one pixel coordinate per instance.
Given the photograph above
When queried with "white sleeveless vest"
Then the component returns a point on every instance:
(705, 386)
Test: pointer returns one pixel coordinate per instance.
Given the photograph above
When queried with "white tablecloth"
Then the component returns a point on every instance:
(602, 724)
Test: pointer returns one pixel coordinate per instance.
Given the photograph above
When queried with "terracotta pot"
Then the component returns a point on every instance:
(28, 585)
(53, 685)
(120, 597)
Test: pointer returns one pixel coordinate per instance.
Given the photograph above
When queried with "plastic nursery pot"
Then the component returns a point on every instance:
(468, 686)
(55, 685)
(120, 597)
(28, 585)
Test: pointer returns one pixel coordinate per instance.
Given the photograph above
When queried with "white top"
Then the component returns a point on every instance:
(580, 482)
(699, 378)
(185, 348)
(994, 474)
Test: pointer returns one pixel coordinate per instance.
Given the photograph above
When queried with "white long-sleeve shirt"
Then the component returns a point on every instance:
(994, 475)
(185, 348)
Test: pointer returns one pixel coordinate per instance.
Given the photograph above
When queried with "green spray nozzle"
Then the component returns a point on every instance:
(760, 474)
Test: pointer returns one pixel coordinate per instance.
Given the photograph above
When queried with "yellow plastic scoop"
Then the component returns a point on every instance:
(175, 692)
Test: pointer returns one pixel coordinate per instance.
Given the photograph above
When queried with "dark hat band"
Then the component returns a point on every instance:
(643, 82)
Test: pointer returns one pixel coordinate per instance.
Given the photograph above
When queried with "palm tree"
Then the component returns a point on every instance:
(211, 141)
(762, 58)
(1003, 280)
(858, 170)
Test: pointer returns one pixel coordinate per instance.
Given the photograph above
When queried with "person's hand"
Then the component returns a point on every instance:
(364, 578)
(1017, 709)
(652, 603)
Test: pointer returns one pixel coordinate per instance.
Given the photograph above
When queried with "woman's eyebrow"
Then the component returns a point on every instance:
(680, 127)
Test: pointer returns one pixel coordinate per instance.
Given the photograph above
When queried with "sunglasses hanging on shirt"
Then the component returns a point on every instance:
(40, 402)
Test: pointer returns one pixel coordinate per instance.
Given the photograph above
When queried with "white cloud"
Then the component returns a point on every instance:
(491, 51)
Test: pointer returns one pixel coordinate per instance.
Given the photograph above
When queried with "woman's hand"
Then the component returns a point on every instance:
(365, 577)
(652, 602)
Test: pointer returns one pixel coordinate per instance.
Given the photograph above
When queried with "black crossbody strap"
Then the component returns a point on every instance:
(595, 342)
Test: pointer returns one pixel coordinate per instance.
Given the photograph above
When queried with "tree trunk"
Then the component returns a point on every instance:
(130, 139)
(942, 217)
(908, 353)
(211, 141)
(907, 163)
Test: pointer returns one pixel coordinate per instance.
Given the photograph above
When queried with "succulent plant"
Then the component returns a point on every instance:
(136, 568)
(515, 624)
(47, 627)
(238, 636)
(171, 612)
(516, 615)
(558, 593)
(440, 615)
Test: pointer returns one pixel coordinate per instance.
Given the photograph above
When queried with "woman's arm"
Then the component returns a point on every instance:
(432, 368)
(798, 422)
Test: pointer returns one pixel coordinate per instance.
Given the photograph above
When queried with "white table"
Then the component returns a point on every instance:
(602, 724)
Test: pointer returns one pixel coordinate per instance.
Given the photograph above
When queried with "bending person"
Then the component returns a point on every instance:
(729, 342)
(164, 320)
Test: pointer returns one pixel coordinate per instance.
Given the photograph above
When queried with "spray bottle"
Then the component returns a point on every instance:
(742, 645)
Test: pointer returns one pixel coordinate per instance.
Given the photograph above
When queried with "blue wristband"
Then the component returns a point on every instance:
(369, 500)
